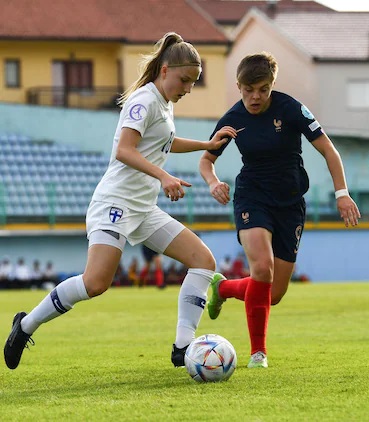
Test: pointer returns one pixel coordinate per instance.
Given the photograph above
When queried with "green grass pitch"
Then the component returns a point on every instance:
(109, 360)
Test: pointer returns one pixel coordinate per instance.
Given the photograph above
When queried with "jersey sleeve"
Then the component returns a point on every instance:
(138, 112)
(306, 122)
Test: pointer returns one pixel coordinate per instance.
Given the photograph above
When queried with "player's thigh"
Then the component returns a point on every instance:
(191, 251)
(104, 253)
(257, 244)
(281, 279)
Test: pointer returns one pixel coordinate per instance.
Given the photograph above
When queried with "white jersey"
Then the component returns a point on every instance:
(147, 112)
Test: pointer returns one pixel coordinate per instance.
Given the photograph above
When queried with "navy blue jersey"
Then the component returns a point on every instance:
(273, 171)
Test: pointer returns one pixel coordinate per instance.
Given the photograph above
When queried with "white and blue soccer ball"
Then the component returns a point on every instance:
(210, 358)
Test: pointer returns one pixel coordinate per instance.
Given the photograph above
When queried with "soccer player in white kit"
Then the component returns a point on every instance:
(123, 206)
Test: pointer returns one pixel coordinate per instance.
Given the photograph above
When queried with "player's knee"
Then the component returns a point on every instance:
(262, 271)
(95, 288)
(209, 262)
(204, 259)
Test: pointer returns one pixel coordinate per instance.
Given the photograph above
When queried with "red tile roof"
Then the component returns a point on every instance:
(133, 21)
(328, 36)
(232, 11)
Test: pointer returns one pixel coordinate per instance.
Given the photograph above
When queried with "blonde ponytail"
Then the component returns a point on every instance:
(170, 49)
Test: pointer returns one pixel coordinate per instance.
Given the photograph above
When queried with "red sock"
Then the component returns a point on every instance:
(234, 288)
(159, 277)
(257, 303)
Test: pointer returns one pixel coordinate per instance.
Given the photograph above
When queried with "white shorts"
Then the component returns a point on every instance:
(155, 228)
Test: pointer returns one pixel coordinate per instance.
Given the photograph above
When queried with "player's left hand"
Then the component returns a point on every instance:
(222, 136)
(348, 210)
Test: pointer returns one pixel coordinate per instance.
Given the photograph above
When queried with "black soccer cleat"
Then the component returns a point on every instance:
(178, 356)
(16, 342)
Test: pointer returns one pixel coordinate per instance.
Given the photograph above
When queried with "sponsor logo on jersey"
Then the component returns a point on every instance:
(115, 214)
(137, 112)
(298, 232)
(195, 300)
(306, 112)
(278, 125)
(245, 217)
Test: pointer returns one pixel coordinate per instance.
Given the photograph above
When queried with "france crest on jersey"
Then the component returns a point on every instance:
(115, 214)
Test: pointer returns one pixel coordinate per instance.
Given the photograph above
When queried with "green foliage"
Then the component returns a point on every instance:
(109, 359)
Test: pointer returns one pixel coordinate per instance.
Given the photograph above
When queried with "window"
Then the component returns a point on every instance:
(358, 93)
(79, 75)
(12, 73)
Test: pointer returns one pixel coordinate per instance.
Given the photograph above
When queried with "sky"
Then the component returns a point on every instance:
(346, 5)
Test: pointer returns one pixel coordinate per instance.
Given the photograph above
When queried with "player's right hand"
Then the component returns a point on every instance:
(220, 192)
(172, 187)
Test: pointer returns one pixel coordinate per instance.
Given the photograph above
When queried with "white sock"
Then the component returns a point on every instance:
(191, 303)
(56, 303)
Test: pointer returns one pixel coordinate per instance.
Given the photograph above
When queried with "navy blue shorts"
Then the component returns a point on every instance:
(285, 223)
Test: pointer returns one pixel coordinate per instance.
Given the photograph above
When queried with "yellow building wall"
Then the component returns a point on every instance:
(208, 101)
(36, 63)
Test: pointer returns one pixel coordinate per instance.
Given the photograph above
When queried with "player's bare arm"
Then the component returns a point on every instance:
(218, 190)
(128, 154)
(220, 138)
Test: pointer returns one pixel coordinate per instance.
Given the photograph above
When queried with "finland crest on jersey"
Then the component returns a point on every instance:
(115, 214)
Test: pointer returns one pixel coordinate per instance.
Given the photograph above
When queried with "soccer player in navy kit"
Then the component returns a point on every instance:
(124, 204)
(269, 207)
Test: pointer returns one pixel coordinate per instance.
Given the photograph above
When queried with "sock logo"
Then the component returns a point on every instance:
(195, 300)
(56, 302)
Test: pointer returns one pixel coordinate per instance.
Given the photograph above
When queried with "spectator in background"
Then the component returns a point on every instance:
(22, 273)
(299, 277)
(239, 269)
(172, 275)
(50, 276)
(225, 266)
(133, 273)
(152, 263)
(36, 275)
(49, 273)
(6, 269)
(6, 273)
(120, 278)
(269, 205)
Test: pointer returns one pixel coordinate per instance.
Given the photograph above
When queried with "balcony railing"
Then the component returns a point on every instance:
(94, 99)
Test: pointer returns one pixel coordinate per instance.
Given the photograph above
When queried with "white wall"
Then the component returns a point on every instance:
(335, 115)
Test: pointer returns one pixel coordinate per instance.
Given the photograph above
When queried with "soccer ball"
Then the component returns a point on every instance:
(210, 358)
